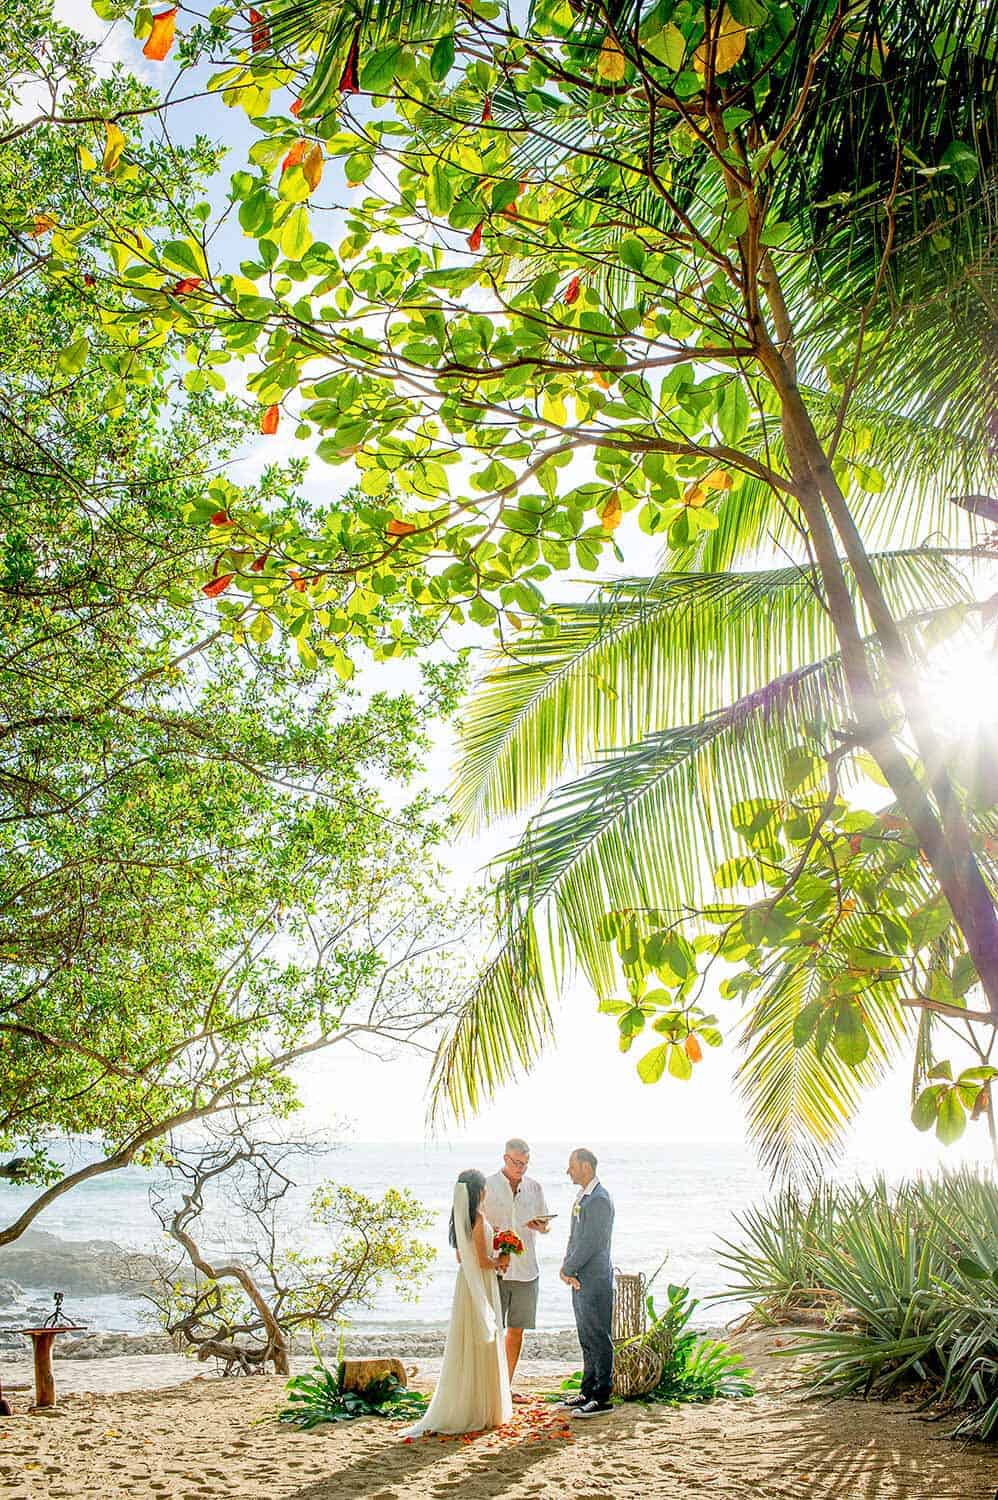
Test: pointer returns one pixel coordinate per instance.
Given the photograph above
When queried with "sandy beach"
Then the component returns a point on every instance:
(210, 1438)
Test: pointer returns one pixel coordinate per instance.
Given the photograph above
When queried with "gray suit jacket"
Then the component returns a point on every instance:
(588, 1255)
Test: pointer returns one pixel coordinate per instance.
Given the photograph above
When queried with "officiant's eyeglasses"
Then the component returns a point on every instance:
(517, 1161)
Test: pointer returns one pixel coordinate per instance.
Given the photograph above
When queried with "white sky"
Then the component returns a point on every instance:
(583, 1087)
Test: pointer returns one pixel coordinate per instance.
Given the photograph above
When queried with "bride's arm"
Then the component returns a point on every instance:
(485, 1260)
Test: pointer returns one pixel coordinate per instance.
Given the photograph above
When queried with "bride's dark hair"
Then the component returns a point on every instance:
(475, 1183)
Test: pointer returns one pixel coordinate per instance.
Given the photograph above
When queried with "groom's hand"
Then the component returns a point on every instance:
(572, 1281)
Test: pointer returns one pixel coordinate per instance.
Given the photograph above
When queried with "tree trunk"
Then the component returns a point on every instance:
(945, 839)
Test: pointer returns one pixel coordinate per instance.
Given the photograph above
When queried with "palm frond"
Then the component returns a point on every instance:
(500, 1028)
(647, 653)
(799, 1105)
(921, 461)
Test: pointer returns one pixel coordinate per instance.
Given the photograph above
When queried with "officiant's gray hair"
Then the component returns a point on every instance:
(582, 1154)
(516, 1143)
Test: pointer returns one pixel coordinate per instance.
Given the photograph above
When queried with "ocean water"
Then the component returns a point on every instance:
(672, 1201)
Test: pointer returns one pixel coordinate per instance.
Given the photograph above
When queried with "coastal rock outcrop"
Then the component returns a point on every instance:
(85, 1267)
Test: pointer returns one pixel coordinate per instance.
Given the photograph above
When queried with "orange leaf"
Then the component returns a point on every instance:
(259, 563)
(186, 284)
(259, 32)
(296, 111)
(218, 585)
(510, 211)
(475, 237)
(720, 479)
(312, 166)
(611, 513)
(295, 155)
(487, 109)
(400, 528)
(694, 1051)
(572, 291)
(164, 27)
(300, 583)
(221, 518)
(694, 495)
(42, 224)
(269, 420)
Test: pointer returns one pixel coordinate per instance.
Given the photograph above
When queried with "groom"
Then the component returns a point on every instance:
(588, 1272)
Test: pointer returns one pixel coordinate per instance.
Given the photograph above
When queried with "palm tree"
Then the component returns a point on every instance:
(691, 688)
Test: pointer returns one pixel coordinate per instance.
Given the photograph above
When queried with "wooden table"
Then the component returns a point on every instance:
(42, 1340)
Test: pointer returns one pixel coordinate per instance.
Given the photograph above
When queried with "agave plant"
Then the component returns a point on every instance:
(913, 1275)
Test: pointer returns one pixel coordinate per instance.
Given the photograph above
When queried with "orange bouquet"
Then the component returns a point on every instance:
(505, 1242)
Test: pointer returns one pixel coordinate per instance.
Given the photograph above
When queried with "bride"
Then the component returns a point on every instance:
(473, 1390)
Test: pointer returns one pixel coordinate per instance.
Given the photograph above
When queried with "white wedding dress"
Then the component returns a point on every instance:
(473, 1391)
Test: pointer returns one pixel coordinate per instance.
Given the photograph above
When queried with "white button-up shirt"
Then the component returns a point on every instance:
(505, 1209)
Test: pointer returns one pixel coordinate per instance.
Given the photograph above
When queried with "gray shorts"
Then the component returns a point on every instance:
(519, 1302)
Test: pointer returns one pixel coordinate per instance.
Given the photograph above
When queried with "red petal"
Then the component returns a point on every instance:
(269, 420)
(161, 37)
(572, 291)
(218, 585)
(475, 237)
(260, 32)
(348, 79)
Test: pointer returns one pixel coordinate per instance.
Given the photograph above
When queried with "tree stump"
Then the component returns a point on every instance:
(358, 1374)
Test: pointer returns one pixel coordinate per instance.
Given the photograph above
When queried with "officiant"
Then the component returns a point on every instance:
(515, 1201)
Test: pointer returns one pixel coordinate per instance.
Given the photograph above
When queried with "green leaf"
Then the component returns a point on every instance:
(377, 74)
(652, 1066)
(632, 253)
(680, 1065)
(850, 1038)
(73, 357)
(733, 413)
(962, 161)
(951, 1120)
(442, 58)
(925, 1108)
(296, 236)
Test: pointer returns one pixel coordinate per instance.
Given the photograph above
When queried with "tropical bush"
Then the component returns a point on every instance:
(694, 1367)
(908, 1278)
(318, 1396)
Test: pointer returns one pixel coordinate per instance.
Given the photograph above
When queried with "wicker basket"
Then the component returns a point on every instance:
(637, 1366)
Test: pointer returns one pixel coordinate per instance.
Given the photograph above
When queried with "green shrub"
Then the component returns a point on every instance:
(318, 1396)
(908, 1280)
(694, 1367)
